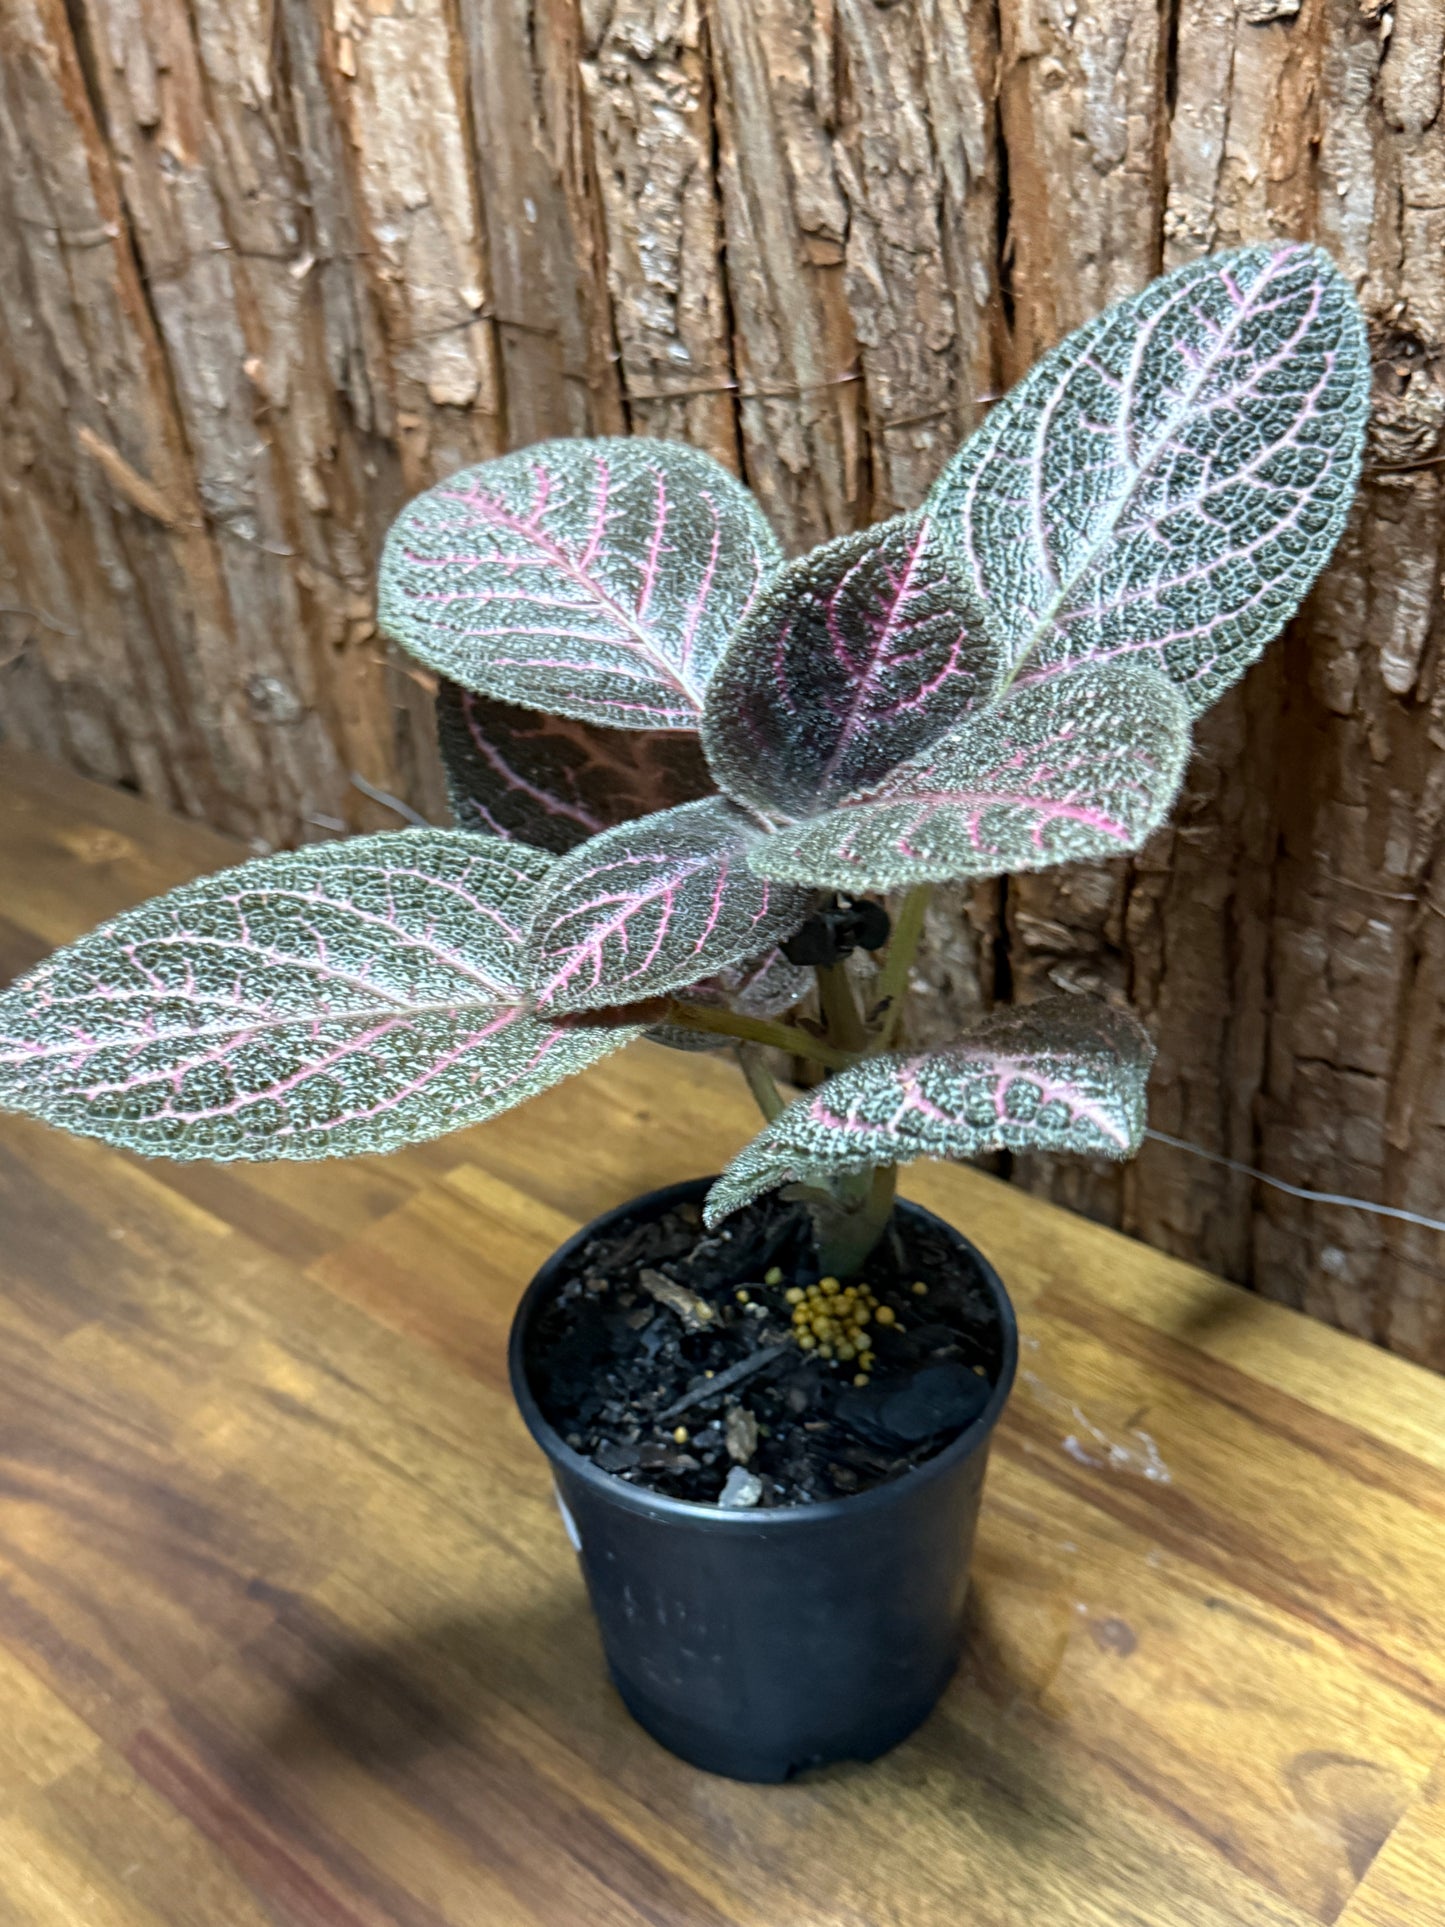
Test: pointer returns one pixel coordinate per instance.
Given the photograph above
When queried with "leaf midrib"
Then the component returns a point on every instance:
(255, 1026)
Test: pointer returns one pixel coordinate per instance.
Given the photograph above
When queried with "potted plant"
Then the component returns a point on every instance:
(687, 775)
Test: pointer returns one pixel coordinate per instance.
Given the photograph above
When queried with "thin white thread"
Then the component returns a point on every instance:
(388, 801)
(1297, 1190)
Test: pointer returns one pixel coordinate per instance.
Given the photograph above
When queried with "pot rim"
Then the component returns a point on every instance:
(774, 1518)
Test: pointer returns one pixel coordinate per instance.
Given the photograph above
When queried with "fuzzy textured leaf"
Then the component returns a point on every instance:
(593, 579)
(1074, 767)
(653, 905)
(551, 781)
(1168, 483)
(763, 986)
(1066, 1074)
(854, 657)
(343, 998)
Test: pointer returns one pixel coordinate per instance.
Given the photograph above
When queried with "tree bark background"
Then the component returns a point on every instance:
(269, 266)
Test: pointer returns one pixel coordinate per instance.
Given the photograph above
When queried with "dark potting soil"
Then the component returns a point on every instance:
(676, 1383)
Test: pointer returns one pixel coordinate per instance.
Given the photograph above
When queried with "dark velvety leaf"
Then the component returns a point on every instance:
(1073, 767)
(593, 579)
(653, 905)
(1168, 483)
(853, 658)
(347, 997)
(552, 781)
(1066, 1074)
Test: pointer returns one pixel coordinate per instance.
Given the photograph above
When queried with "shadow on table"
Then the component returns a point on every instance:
(497, 1685)
(436, 1687)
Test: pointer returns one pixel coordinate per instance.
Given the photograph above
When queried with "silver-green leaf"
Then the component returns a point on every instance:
(1066, 1074)
(1071, 768)
(592, 579)
(653, 905)
(343, 998)
(1166, 485)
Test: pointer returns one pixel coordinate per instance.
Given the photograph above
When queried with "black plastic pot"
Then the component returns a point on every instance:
(756, 1644)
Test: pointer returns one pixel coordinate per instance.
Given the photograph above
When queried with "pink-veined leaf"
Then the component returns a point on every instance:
(346, 997)
(1066, 1074)
(653, 905)
(552, 781)
(853, 658)
(592, 579)
(1168, 482)
(1071, 768)
(765, 986)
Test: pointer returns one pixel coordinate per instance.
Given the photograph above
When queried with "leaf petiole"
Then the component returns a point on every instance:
(902, 949)
(840, 1010)
(758, 1030)
(760, 1080)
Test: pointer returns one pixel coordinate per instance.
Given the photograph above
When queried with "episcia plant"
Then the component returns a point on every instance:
(684, 769)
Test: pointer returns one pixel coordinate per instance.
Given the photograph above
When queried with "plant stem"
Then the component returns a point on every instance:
(903, 948)
(760, 1080)
(756, 1030)
(849, 1228)
(840, 1010)
(849, 1216)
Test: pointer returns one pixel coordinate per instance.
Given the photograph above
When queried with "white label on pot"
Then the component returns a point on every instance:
(567, 1520)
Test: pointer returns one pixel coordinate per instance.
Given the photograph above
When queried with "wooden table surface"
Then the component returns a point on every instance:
(290, 1632)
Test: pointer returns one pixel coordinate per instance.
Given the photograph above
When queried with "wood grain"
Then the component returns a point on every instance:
(290, 1632)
